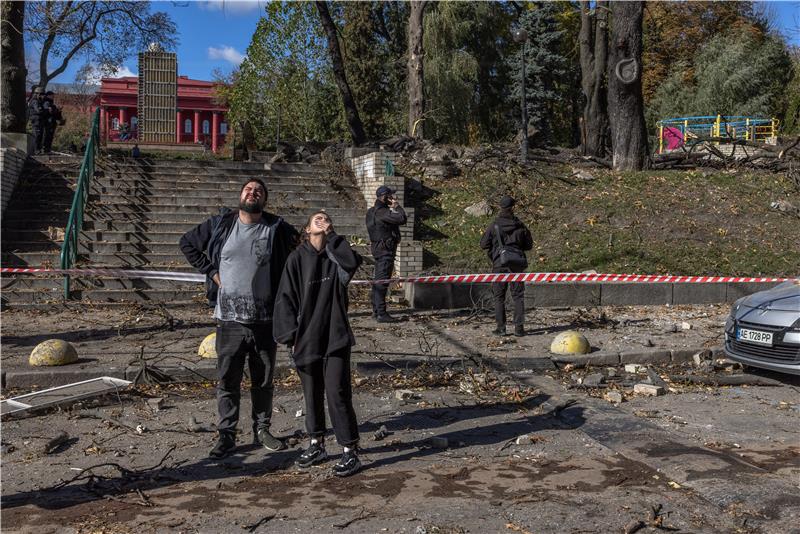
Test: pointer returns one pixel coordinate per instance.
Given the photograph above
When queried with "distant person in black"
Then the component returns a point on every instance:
(38, 114)
(508, 232)
(311, 318)
(383, 225)
(54, 118)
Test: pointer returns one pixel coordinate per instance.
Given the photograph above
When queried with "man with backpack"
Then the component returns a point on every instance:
(505, 242)
(383, 225)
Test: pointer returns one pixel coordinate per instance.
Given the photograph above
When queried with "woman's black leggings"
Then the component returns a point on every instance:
(330, 377)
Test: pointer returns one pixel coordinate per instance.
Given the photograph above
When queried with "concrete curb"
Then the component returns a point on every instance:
(207, 371)
(453, 296)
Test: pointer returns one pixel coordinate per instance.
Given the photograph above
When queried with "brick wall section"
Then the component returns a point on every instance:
(370, 173)
(12, 160)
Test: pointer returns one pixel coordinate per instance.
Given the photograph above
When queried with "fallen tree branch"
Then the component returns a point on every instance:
(735, 380)
(124, 471)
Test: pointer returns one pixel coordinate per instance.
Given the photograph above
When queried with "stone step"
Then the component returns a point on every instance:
(278, 198)
(139, 226)
(218, 166)
(229, 191)
(27, 282)
(124, 260)
(213, 177)
(53, 203)
(179, 170)
(57, 162)
(101, 210)
(17, 219)
(157, 261)
(102, 296)
(178, 180)
(175, 227)
(151, 244)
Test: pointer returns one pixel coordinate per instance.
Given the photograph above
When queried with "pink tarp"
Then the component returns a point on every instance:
(674, 137)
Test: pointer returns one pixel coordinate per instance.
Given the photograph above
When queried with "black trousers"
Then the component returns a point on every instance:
(330, 377)
(47, 142)
(38, 135)
(383, 269)
(236, 343)
(518, 296)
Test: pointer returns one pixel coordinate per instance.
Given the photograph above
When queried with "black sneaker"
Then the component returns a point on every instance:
(268, 441)
(386, 318)
(313, 455)
(499, 331)
(347, 465)
(519, 331)
(225, 445)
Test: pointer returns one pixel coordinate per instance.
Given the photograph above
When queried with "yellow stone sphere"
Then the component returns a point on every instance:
(570, 342)
(208, 348)
(53, 352)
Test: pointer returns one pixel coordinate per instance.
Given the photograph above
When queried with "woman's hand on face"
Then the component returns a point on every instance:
(322, 223)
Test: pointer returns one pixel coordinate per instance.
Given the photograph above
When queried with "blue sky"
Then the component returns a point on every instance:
(215, 34)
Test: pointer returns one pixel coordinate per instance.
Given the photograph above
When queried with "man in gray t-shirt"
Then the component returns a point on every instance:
(242, 253)
(244, 267)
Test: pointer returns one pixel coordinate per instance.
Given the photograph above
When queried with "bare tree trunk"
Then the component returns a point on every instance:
(416, 81)
(594, 59)
(625, 100)
(335, 53)
(13, 68)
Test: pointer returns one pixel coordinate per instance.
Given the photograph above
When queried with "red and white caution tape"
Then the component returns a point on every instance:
(486, 278)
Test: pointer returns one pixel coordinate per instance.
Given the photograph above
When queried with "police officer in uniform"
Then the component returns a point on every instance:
(54, 118)
(38, 114)
(383, 224)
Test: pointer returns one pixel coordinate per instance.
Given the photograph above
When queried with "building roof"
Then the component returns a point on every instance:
(113, 89)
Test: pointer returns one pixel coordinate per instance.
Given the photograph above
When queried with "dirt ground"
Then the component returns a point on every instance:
(521, 452)
(117, 337)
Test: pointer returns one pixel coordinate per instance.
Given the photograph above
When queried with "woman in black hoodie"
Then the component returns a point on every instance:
(311, 318)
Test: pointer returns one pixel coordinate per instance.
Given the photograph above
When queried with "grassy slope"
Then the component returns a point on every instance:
(658, 222)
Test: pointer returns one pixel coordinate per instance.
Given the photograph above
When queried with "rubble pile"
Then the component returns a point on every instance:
(616, 384)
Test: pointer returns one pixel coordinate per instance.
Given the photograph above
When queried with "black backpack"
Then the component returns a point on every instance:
(508, 255)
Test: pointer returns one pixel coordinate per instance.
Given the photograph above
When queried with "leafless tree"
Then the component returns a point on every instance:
(106, 32)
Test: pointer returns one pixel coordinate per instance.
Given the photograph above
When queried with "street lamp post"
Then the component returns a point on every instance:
(521, 36)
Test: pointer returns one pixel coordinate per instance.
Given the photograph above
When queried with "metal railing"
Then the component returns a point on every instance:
(685, 131)
(69, 250)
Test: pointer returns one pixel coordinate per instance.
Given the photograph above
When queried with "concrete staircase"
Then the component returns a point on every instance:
(136, 213)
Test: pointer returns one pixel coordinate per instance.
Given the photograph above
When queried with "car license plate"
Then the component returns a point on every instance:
(754, 336)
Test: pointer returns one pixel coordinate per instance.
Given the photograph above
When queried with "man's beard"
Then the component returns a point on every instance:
(250, 207)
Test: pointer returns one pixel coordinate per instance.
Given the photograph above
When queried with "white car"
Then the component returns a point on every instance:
(763, 329)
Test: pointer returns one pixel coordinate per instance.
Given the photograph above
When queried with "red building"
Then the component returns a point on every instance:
(199, 119)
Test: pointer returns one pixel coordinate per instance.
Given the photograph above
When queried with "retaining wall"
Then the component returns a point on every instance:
(370, 171)
(12, 160)
(453, 296)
